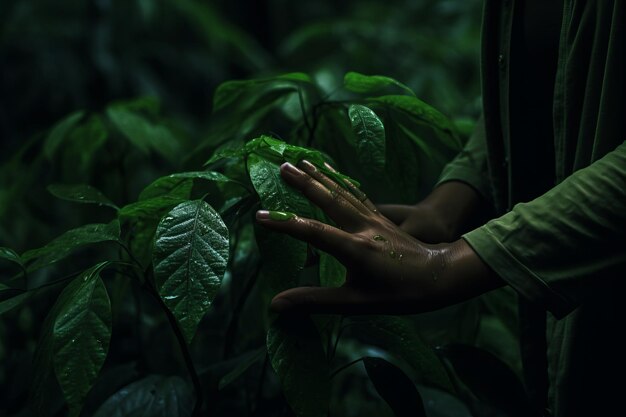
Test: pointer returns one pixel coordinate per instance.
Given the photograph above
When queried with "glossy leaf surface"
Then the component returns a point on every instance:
(80, 193)
(370, 137)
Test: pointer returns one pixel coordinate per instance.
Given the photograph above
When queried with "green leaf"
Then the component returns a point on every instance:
(13, 302)
(424, 113)
(69, 241)
(81, 333)
(59, 132)
(165, 185)
(490, 379)
(231, 91)
(144, 134)
(155, 207)
(80, 193)
(297, 356)
(82, 147)
(332, 272)
(153, 396)
(190, 255)
(397, 335)
(10, 255)
(370, 137)
(244, 364)
(283, 255)
(395, 387)
(369, 84)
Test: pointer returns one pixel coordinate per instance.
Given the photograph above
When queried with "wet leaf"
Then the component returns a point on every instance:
(81, 334)
(167, 184)
(59, 132)
(190, 255)
(80, 193)
(370, 137)
(369, 84)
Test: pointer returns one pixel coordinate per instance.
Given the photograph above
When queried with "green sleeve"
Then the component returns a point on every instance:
(470, 165)
(566, 244)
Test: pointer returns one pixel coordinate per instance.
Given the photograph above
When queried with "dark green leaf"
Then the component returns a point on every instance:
(369, 84)
(13, 302)
(81, 333)
(153, 396)
(370, 137)
(83, 146)
(488, 378)
(69, 241)
(59, 132)
(297, 356)
(397, 335)
(424, 113)
(395, 387)
(10, 255)
(242, 367)
(190, 255)
(80, 193)
(155, 207)
(144, 134)
(165, 185)
(332, 272)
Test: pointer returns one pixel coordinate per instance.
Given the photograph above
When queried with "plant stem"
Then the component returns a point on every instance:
(183, 347)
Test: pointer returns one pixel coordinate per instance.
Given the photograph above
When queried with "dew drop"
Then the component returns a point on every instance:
(392, 254)
(379, 238)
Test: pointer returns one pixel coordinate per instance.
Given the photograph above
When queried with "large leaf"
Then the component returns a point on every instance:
(424, 113)
(69, 241)
(370, 137)
(153, 396)
(368, 84)
(492, 381)
(245, 362)
(59, 132)
(165, 185)
(332, 272)
(283, 256)
(395, 387)
(297, 356)
(190, 257)
(80, 193)
(397, 335)
(81, 333)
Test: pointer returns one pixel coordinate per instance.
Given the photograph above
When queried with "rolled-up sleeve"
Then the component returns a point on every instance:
(565, 244)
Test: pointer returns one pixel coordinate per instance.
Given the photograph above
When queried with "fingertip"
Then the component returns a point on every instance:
(281, 305)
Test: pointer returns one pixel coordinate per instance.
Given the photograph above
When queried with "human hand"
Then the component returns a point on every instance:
(389, 271)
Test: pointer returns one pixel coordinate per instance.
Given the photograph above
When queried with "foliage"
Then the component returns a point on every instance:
(133, 276)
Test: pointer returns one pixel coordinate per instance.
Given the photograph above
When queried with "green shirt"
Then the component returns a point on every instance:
(565, 251)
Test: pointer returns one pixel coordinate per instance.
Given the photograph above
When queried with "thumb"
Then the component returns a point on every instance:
(317, 300)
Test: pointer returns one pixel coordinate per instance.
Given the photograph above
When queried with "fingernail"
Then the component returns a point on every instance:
(329, 167)
(281, 216)
(307, 166)
(262, 215)
(291, 170)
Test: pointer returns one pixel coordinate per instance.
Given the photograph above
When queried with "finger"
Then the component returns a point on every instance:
(316, 300)
(325, 237)
(333, 204)
(359, 195)
(397, 213)
(312, 170)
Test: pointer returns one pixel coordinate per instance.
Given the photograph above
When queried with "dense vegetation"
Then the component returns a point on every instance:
(141, 137)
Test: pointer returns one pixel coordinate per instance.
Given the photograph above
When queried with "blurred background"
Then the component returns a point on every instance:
(57, 56)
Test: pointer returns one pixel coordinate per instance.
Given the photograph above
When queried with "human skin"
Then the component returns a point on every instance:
(388, 270)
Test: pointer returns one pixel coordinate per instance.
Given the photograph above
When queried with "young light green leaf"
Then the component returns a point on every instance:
(81, 334)
(165, 185)
(59, 132)
(190, 255)
(398, 336)
(395, 387)
(69, 241)
(80, 193)
(369, 84)
(297, 356)
(370, 137)
(424, 113)
(144, 134)
(155, 395)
